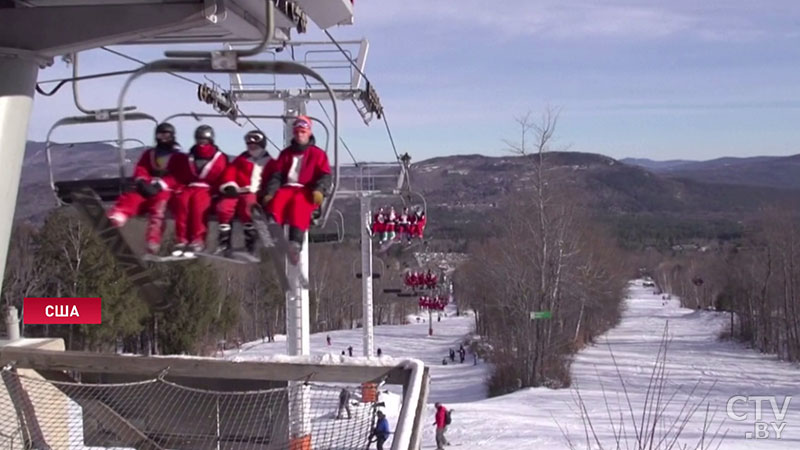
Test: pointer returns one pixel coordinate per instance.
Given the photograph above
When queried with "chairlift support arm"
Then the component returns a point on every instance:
(98, 117)
(227, 62)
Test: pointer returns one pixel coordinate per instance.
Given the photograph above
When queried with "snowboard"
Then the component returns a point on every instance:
(272, 238)
(167, 258)
(91, 209)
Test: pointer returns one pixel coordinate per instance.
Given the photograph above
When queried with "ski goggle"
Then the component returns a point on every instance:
(254, 138)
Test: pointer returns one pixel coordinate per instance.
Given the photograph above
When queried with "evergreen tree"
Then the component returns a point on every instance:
(75, 263)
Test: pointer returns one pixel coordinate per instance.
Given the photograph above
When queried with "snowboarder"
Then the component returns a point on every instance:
(380, 352)
(381, 430)
(298, 185)
(240, 182)
(462, 354)
(328, 338)
(156, 181)
(344, 403)
(441, 423)
(350, 350)
(343, 353)
(452, 355)
(190, 207)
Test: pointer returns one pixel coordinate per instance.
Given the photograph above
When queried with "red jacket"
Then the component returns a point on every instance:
(210, 175)
(440, 417)
(315, 171)
(246, 174)
(166, 172)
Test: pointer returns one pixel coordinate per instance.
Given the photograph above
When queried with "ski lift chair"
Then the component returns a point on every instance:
(109, 189)
(375, 274)
(229, 62)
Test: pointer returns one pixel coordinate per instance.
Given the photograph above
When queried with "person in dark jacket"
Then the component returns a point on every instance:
(344, 403)
(381, 430)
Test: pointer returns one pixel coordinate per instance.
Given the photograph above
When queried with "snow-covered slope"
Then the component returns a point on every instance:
(537, 418)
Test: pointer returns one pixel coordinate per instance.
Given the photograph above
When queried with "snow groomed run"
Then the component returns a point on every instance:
(539, 418)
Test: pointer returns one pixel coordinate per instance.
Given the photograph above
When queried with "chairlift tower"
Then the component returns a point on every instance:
(326, 58)
(372, 180)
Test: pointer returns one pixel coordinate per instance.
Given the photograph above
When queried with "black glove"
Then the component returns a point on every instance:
(147, 189)
(230, 192)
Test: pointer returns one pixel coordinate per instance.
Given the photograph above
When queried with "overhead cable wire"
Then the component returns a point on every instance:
(238, 108)
(383, 113)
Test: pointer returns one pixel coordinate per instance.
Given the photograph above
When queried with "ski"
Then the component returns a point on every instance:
(168, 258)
(238, 257)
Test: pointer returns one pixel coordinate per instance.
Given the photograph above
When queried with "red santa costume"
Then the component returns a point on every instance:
(204, 168)
(378, 223)
(301, 177)
(156, 175)
(239, 184)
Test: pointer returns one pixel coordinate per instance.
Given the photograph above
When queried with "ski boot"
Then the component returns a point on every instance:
(224, 240)
(194, 247)
(250, 239)
(179, 249)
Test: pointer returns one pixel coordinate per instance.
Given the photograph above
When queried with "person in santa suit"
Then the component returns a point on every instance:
(298, 185)
(419, 223)
(391, 221)
(402, 225)
(203, 171)
(378, 224)
(240, 182)
(156, 180)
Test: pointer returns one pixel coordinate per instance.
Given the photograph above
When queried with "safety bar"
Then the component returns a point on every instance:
(198, 116)
(229, 63)
(100, 117)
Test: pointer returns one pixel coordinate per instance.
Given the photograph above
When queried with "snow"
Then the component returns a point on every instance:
(534, 418)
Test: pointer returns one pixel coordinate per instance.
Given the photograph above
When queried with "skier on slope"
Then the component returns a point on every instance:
(156, 181)
(298, 185)
(441, 423)
(190, 207)
(239, 184)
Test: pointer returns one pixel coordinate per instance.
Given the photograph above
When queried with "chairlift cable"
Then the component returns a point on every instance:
(238, 108)
(131, 58)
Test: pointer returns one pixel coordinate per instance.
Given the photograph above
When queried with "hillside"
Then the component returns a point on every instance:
(461, 191)
(769, 171)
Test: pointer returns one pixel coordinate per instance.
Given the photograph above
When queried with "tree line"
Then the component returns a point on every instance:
(212, 302)
(756, 280)
(547, 255)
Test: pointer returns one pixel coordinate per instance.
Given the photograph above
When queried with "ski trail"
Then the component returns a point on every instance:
(530, 418)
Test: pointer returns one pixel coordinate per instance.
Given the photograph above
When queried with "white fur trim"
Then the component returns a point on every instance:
(229, 183)
(209, 165)
(162, 183)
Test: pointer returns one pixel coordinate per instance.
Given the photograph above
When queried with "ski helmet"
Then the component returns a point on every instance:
(256, 137)
(204, 132)
(165, 127)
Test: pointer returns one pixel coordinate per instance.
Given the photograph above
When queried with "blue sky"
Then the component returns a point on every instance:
(661, 80)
